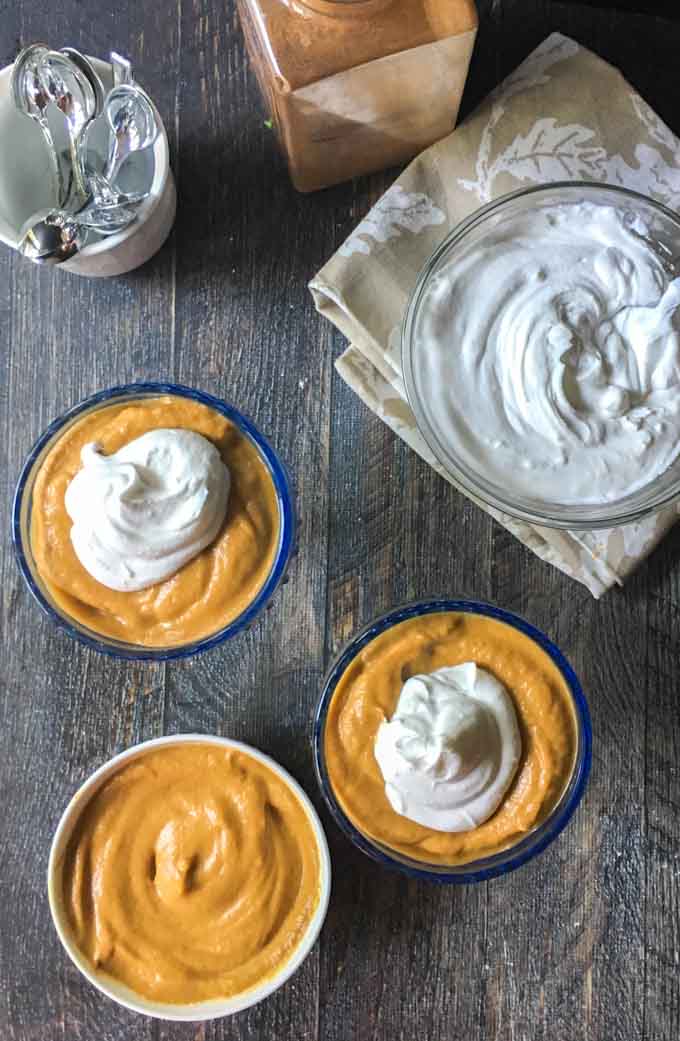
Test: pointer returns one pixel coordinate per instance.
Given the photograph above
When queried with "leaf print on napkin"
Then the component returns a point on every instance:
(653, 174)
(656, 128)
(397, 211)
(531, 73)
(550, 152)
(553, 152)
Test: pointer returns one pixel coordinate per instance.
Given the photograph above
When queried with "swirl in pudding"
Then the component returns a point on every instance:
(193, 873)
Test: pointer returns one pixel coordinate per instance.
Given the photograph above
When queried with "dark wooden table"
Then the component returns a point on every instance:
(583, 944)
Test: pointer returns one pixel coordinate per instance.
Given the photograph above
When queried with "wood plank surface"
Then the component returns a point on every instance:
(584, 942)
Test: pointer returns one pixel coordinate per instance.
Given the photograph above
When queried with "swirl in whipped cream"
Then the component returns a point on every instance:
(547, 354)
(451, 749)
(142, 513)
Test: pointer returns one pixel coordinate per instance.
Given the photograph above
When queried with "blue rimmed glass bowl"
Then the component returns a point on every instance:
(21, 522)
(537, 839)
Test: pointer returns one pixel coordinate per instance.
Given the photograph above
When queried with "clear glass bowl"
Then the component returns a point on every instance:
(661, 491)
(535, 841)
(21, 523)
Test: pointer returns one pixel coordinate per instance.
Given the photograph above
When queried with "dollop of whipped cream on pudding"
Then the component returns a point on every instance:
(142, 513)
(451, 749)
(548, 354)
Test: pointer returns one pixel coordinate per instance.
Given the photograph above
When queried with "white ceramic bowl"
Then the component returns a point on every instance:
(117, 991)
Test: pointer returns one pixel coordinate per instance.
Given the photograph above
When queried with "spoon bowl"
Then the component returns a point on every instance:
(88, 70)
(29, 96)
(133, 125)
(51, 237)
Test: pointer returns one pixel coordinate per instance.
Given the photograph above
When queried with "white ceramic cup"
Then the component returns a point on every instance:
(117, 991)
(25, 170)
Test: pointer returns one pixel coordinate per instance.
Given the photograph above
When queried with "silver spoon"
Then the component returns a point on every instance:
(51, 238)
(90, 73)
(106, 197)
(31, 99)
(133, 126)
(55, 235)
(73, 94)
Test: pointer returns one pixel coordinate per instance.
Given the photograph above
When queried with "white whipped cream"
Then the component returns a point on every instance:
(143, 512)
(548, 355)
(451, 749)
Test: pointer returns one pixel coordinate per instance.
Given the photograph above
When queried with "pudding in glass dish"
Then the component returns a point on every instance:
(153, 520)
(452, 740)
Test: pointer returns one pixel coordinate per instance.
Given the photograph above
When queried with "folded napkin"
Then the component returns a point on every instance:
(564, 114)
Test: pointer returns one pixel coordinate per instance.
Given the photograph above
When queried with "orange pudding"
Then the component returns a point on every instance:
(367, 694)
(208, 592)
(193, 873)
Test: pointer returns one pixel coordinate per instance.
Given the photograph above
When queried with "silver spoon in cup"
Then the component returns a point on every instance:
(68, 79)
(73, 93)
(32, 100)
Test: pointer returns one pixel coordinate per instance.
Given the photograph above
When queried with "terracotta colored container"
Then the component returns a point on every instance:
(354, 86)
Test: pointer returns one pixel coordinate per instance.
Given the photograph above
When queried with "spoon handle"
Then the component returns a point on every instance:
(25, 66)
(106, 219)
(105, 195)
(55, 162)
(51, 70)
(122, 69)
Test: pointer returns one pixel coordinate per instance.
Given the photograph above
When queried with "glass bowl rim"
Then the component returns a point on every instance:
(284, 497)
(565, 517)
(536, 841)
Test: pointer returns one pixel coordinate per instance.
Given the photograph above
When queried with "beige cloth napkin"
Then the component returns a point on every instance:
(564, 114)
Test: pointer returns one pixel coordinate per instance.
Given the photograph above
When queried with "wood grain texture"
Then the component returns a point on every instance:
(582, 943)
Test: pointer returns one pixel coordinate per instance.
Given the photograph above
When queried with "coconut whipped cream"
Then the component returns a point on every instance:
(548, 355)
(143, 512)
(451, 749)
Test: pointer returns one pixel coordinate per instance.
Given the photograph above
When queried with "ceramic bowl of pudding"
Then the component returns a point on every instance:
(211, 597)
(168, 891)
(539, 352)
(418, 810)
